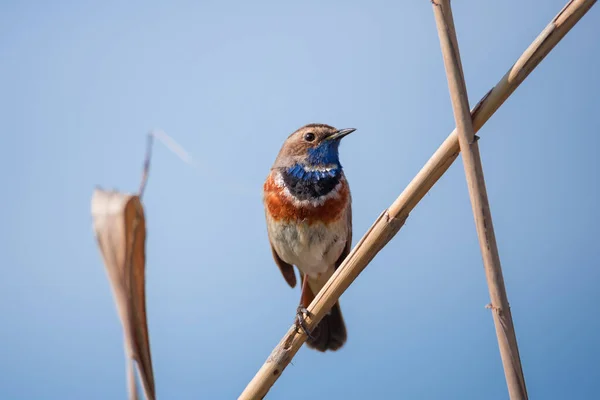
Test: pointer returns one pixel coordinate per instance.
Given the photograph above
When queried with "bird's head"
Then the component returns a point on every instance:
(312, 147)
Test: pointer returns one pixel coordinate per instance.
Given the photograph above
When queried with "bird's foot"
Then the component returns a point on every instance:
(300, 320)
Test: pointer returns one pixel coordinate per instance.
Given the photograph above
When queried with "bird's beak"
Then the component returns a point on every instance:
(340, 133)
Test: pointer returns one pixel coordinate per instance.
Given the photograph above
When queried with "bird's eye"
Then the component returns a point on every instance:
(309, 137)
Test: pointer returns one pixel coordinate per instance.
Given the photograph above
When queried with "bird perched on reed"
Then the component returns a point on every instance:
(309, 221)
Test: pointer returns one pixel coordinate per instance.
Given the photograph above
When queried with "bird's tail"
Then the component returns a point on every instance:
(330, 333)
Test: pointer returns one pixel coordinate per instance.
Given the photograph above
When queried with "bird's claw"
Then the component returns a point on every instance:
(300, 320)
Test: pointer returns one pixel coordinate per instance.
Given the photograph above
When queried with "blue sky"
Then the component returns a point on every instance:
(81, 83)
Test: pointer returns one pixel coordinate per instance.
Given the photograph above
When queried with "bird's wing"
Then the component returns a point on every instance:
(287, 270)
(348, 247)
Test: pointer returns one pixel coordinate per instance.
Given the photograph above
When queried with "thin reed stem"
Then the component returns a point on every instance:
(507, 339)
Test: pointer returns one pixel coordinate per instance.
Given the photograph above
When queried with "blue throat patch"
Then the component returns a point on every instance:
(325, 153)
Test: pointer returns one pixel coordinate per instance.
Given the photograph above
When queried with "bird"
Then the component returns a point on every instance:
(308, 209)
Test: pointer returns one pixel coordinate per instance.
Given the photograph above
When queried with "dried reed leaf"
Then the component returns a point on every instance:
(120, 229)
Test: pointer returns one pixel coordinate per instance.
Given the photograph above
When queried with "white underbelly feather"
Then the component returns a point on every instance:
(313, 248)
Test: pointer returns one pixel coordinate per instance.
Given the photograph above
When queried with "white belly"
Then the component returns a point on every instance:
(314, 249)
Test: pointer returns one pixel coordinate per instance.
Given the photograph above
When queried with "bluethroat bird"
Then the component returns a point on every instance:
(309, 221)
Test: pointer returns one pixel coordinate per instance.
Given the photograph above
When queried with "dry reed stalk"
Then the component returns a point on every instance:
(392, 219)
(507, 340)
